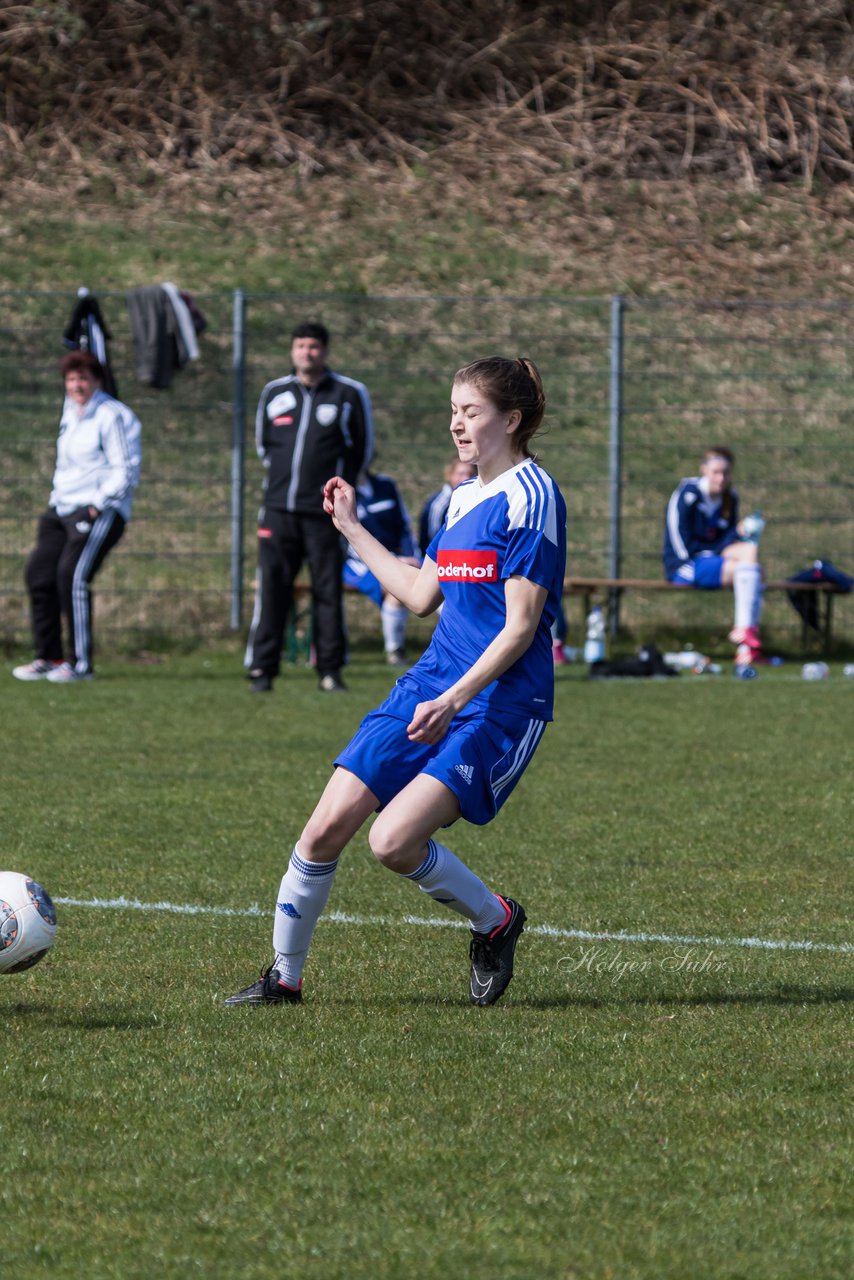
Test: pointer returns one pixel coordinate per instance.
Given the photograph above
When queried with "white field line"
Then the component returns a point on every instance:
(546, 930)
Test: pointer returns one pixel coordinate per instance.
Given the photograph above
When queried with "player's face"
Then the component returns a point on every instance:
(308, 356)
(718, 473)
(481, 431)
(80, 386)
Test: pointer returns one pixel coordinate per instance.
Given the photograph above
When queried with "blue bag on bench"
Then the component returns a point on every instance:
(805, 603)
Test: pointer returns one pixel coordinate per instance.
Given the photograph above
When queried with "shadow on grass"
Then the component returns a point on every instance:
(97, 1020)
(782, 996)
(119, 1020)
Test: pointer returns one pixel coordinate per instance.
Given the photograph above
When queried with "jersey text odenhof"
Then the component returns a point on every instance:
(467, 566)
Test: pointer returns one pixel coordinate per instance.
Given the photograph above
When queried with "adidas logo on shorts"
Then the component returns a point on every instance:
(465, 771)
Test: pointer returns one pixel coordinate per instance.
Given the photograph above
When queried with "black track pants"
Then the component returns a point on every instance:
(285, 543)
(68, 553)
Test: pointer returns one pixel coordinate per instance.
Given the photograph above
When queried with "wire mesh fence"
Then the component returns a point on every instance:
(775, 382)
(169, 576)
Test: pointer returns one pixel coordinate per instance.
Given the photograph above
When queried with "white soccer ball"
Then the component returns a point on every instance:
(27, 922)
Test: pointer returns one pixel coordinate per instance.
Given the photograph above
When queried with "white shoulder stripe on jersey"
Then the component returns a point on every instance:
(532, 504)
(530, 496)
(673, 523)
(534, 500)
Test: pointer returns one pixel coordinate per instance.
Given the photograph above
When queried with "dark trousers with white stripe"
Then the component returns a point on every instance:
(285, 542)
(68, 553)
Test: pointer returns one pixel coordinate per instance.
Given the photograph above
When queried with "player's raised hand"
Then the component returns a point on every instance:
(339, 502)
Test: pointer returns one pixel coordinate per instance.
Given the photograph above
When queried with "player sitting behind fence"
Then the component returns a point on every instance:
(706, 546)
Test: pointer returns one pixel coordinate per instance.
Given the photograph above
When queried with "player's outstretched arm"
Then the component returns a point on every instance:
(416, 587)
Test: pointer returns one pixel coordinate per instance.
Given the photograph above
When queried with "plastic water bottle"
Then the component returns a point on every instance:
(753, 526)
(686, 659)
(594, 643)
(815, 671)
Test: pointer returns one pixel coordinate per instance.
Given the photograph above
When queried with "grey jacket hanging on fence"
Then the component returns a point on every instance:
(164, 331)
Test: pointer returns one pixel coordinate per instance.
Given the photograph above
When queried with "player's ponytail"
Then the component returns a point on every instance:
(510, 384)
(530, 423)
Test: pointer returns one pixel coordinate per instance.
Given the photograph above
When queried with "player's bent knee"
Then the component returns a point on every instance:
(388, 848)
(322, 839)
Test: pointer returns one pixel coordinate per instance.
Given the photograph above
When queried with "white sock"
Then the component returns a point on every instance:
(394, 626)
(449, 881)
(747, 589)
(303, 894)
(758, 598)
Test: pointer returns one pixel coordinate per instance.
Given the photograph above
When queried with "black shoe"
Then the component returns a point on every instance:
(260, 682)
(492, 956)
(267, 990)
(332, 683)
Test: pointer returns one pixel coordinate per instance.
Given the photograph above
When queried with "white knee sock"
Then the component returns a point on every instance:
(747, 589)
(394, 626)
(303, 894)
(449, 881)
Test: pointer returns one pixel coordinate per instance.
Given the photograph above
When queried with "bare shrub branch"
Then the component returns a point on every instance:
(639, 89)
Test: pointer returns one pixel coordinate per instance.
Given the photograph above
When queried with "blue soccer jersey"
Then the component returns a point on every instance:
(514, 526)
(697, 525)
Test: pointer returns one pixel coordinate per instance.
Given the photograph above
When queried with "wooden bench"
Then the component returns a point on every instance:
(590, 588)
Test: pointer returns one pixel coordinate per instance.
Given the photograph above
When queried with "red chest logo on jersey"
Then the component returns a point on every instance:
(468, 566)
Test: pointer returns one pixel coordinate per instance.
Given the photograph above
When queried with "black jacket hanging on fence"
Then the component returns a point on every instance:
(86, 331)
(164, 324)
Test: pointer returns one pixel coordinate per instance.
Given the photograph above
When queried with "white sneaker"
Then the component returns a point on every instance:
(38, 669)
(66, 674)
(332, 683)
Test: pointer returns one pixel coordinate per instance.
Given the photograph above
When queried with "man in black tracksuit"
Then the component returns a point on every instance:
(310, 425)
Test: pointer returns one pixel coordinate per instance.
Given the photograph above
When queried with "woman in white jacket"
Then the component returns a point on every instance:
(97, 471)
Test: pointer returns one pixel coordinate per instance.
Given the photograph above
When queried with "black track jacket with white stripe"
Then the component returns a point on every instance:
(305, 435)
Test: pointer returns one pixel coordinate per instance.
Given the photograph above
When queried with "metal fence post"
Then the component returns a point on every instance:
(238, 449)
(615, 458)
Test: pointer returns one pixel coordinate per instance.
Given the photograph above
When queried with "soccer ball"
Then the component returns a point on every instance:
(27, 922)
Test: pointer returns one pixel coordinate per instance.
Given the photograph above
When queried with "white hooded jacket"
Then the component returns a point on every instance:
(98, 456)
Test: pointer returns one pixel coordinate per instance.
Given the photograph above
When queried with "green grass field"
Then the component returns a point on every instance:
(658, 1108)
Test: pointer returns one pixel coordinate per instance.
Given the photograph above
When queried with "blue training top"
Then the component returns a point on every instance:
(696, 524)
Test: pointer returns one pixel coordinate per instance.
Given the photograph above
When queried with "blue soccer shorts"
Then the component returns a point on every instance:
(479, 760)
(704, 571)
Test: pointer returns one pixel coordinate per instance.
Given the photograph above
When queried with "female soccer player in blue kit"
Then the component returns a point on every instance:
(457, 730)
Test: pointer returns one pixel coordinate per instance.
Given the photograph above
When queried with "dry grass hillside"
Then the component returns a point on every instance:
(730, 88)
(457, 145)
